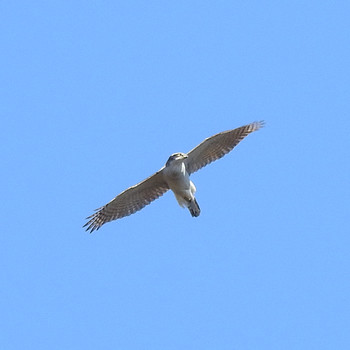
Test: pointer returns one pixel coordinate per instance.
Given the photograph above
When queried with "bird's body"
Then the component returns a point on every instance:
(175, 175)
(178, 179)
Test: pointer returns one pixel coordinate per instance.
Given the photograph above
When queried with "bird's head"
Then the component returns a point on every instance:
(176, 158)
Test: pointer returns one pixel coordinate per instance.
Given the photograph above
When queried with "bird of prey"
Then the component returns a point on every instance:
(175, 175)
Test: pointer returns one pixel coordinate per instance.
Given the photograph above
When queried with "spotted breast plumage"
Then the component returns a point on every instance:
(175, 175)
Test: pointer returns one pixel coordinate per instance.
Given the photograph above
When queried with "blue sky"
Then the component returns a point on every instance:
(94, 98)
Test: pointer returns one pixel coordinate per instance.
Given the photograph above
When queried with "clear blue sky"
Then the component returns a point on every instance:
(95, 95)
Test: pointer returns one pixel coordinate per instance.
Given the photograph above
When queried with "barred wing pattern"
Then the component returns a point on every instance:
(215, 147)
(128, 202)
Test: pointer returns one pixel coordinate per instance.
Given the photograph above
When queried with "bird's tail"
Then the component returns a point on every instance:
(193, 207)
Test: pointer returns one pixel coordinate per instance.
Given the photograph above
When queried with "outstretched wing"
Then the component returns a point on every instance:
(129, 201)
(217, 146)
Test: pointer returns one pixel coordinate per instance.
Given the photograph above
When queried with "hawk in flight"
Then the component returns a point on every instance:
(175, 175)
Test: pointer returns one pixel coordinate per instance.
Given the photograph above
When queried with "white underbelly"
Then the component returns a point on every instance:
(179, 182)
(183, 189)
